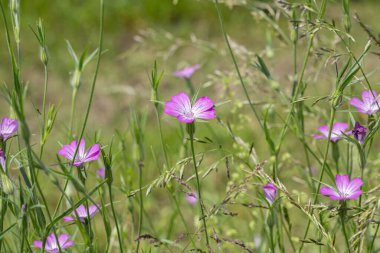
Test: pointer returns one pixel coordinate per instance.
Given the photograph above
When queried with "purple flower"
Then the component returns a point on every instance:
(82, 156)
(101, 173)
(192, 198)
(270, 192)
(180, 106)
(2, 159)
(337, 131)
(369, 103)
(81, 213)
(359, 132)
(346, 189)
(51, 245)
(8, 127)
(187, 72)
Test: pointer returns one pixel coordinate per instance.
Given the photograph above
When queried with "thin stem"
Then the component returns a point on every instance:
(191, 133)
(44, 107)
(332, 116)
(115, 218)
(141, 206)
(236, 66)
(342, 215)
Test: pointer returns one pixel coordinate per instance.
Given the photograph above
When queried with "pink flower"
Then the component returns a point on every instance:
(51, 245)
(187, 72)
(346, 189)
(101, 173)
(82, 156)
(192, 198)
(369, 105)
(82, 213)
(180, 106)
(270, 192)
(2, 159)
(337, 131)
(8, 127)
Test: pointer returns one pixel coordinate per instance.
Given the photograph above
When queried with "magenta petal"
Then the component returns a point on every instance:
(342, 182)
(92, 153)
(8, 127)
(37, 244)
(355, 194)
(187, 72)
(172, 109)
(368, 96)
(68, 218)
(316, 136)
(357, 103)
(355, 184)
(339, 127)
(327, 191)
(185, 119)
(67, 244)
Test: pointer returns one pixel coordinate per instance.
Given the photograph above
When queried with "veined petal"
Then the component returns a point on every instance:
(355, 194)
(339, 127)
(355, 184)
(368, 96)
(92, 153)
(330, 192)
(342, 182)
(358, 104)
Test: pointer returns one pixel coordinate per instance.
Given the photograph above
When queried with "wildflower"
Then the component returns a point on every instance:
(82, 156)
(192, 198)
(369, 103)
(359, 132)
(82, 214)
(101, 173)
(8, 127)
(180, 106)
(270, 192)
(187, 72)
(2, 159)
(346, 189)
(51, 245)
(337, 131)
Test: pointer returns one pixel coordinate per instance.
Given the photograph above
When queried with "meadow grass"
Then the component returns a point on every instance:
(248, 126)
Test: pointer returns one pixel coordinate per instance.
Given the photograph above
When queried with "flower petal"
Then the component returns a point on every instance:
(355, 194)
(355, 184)
(358, 104)
(178, 105)
(327, 191)
(92, 153)
(37, 244)
(342, 182)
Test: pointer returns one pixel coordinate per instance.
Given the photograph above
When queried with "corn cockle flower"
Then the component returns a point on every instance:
(369, 104)
(270, 192)
(82, 156)
(51, 245)
(187, 72)
(8, 127)
(101, 173)
(337, 132)
(192, 198)
(180, 106)
(359, 132)
(345, 189)
(82, 214)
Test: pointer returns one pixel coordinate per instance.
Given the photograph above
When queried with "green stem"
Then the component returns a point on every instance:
(141, 207)
(191, 133)
(331, 122)
(115, 218)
